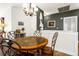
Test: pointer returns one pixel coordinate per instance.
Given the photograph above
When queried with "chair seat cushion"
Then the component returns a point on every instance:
(47, 50)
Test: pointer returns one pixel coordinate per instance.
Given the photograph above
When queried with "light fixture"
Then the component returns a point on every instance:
(30, 9)
(2, 24)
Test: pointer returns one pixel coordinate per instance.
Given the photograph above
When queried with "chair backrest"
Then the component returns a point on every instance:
(1, 35)
(11, 35)
(37, 33)
(54, 40)
(7, 49)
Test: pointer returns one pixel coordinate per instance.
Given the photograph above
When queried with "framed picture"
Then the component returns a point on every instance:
(51, 24)
(20, 23)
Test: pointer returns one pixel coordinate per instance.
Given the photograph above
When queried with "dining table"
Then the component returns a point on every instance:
(31, 43)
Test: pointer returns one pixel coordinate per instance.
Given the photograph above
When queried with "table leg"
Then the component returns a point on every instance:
(36, 54)
(39, 52)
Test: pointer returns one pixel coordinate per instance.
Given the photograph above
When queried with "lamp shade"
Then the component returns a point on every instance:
(2, 25)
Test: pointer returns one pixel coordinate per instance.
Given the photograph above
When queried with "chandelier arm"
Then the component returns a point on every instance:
(30, 10)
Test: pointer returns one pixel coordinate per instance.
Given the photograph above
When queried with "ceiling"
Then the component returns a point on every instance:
(48, 8)
(51, 7)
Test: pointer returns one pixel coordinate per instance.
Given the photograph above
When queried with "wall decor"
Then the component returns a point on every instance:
(60, 22)
(51, 24)
(20, 23)
(63, 9)
(40, 19)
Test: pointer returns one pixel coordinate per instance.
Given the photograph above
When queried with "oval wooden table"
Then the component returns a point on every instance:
(31, 42)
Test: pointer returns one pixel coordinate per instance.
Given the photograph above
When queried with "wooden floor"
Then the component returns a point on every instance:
(57, 53)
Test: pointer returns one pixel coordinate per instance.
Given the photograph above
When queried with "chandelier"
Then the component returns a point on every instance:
(30, 9)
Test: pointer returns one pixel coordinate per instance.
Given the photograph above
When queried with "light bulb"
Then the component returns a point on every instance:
(33, 5)
(36, 9)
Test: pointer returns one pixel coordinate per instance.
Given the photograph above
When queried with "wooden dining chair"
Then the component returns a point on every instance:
(8, 50)
(37, 33)
(1, 37)
(49, 51)
(35, 51)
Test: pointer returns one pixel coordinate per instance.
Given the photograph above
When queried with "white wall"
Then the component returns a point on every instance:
(29, 22)
(67, 42)
(5, 11)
